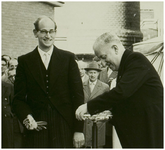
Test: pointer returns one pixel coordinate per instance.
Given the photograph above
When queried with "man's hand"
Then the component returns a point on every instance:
(78, 139)
(81, 110)
(31, 124)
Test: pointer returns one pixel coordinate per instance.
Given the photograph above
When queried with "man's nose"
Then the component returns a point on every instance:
(47, 34)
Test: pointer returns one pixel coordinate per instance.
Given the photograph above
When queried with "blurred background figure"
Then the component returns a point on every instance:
(81, 66)
(13, 63)
(12, 70)
(4, 68)
(6, 57)
(11, 76)
(7, 116)
(11, 129)
(92, 88)
(98, 61)
(106, 75)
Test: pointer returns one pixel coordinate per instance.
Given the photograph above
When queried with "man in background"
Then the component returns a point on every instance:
(4, 70)
(82, 65)
(92, 88)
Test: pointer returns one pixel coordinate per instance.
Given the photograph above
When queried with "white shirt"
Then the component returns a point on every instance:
(92, 85)
(109, 72)
(42, 55)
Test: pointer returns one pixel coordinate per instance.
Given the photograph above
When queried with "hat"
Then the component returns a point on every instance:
(93, 66)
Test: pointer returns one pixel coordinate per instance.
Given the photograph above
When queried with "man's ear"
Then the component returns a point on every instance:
(55, 32)
(35, 33)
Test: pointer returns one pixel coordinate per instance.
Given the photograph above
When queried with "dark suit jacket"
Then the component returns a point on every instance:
(65, 89)
(136, 102)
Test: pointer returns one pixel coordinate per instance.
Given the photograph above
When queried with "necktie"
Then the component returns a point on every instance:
(46, 60)
(91, 87)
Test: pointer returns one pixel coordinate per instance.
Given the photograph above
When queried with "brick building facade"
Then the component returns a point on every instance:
(17, 25)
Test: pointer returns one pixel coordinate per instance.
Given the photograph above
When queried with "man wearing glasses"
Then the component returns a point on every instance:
(48, 90)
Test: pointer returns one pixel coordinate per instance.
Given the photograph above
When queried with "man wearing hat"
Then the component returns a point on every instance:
(93, 87)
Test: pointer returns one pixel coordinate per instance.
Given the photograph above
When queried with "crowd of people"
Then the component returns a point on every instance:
(46, 93)
(12, 129)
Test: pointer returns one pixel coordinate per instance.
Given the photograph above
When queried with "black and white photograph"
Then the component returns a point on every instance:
(82, 74)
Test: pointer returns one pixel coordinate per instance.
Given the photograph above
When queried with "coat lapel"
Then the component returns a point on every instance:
(96, 89)
(56, 62)
(122, 64)
(86, 89)
(35, 68)
(104, 75)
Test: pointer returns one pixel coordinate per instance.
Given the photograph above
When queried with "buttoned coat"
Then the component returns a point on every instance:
(7, 116)
(99, 89)
(65, 87)
(11, 127)
(136, 102)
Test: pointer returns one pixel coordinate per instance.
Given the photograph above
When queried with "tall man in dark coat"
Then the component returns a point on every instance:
(137, 99)
(48, 88)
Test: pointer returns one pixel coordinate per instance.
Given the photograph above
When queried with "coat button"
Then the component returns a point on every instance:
(4, 106)
(5, 115)
(5, 99)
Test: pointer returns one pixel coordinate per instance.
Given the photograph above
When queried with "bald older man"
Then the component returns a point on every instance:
(82, 65)
(136, 101)
(48, 90)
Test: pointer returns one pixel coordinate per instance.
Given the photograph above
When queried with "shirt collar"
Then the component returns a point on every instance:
(41, 52)
(94, 83)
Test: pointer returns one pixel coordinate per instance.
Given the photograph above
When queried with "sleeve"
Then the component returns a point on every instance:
(135, 74)
(76, 88)
(20, 106)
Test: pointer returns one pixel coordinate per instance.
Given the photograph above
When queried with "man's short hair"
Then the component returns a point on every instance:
(5, 55)
(7, 63)
(36, 23)
(106, 38)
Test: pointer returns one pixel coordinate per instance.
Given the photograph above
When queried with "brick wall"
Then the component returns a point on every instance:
(17, 26)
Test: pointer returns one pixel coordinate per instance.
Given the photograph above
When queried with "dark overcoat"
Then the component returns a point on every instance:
(7, 116)
(65, 88)
(136, 102)
(11, 127)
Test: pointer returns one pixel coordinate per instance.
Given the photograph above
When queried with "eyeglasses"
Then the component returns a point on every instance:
(3, 65)
(44, 32)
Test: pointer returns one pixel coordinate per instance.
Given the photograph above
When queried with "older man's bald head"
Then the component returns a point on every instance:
(81, 66)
